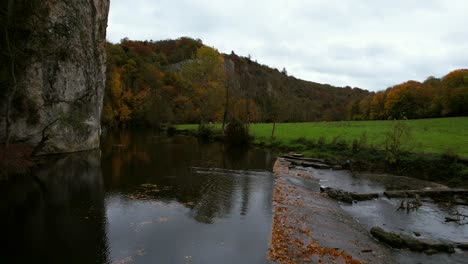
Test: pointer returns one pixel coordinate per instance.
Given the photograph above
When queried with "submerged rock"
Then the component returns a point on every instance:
(54, 98)
(462, 246)
(388, 238)
(348, 197)
(401, 241)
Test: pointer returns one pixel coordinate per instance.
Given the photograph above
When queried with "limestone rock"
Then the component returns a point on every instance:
(59, 63)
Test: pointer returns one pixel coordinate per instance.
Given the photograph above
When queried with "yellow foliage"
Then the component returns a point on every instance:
(124, 113)
(116, 87)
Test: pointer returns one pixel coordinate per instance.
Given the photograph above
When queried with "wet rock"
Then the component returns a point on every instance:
(297, 155)
(294, 157)
(401, 241)
(431, 252)
(348, 197)
(337, 167)
(346, 165)
(412, 243)
(450, 219)
(315, 165)
(439, 246)
(462, 246)
(388, 238)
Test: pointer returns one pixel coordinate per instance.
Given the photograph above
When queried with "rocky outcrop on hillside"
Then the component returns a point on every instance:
(54, 75)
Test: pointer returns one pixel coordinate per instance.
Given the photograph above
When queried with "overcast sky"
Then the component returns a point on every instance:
(369, 44)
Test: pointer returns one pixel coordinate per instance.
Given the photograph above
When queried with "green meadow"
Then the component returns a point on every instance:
(438, 135)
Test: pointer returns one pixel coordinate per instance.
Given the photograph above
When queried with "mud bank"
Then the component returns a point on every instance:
(309, 227)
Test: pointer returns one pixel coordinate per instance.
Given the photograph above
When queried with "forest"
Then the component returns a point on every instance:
(154, 83)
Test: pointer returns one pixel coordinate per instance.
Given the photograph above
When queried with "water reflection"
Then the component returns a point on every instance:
(142, 198)
(145, 158)
(175, 200)
(57, 214)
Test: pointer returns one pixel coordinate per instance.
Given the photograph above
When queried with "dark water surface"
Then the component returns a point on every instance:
(143, 198)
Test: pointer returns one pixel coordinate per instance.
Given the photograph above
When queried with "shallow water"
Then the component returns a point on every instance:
(143, 198)
(428, 220)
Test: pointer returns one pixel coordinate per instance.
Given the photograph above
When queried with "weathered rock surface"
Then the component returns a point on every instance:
(348, 197)
(414, 244)
(56, 94)
(308, 227)
(302, 163)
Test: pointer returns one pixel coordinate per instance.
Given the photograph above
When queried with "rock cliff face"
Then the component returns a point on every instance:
(54, 78)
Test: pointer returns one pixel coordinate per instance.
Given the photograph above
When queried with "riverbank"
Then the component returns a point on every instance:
(361, 155)
(435, 136)
(309, 227)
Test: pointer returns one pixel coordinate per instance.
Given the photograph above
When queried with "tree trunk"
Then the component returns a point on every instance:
(273, 131)
(247, 104)
(226, 106)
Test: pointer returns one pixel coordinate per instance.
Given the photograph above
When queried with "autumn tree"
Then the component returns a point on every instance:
(207, 78)
(402, 101)
(377, 106)
(122, 102)
(183, 81)
(456, 93)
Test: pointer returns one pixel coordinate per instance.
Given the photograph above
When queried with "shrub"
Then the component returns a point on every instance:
(321, 141)
(235, 132)
(171, 130)
(205, 132)
(308, 143)
(359, 144)
(339, 143)
(397, 142)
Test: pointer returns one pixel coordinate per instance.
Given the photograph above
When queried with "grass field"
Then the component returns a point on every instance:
(437, 135)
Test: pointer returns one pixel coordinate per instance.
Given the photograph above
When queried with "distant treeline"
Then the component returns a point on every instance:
(183, 81)
(444, 97)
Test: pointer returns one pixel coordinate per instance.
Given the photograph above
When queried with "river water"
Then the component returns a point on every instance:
(142, 198)
(428, 220)
(147, 198)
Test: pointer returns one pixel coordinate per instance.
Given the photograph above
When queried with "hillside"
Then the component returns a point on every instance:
(297, 100)
(184, 81)
(147, 83)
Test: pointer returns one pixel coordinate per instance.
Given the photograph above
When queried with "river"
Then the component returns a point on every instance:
(149, 198)
(141, 198)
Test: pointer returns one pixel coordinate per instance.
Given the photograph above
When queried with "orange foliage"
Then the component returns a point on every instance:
(456, 78)
(401, 100)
